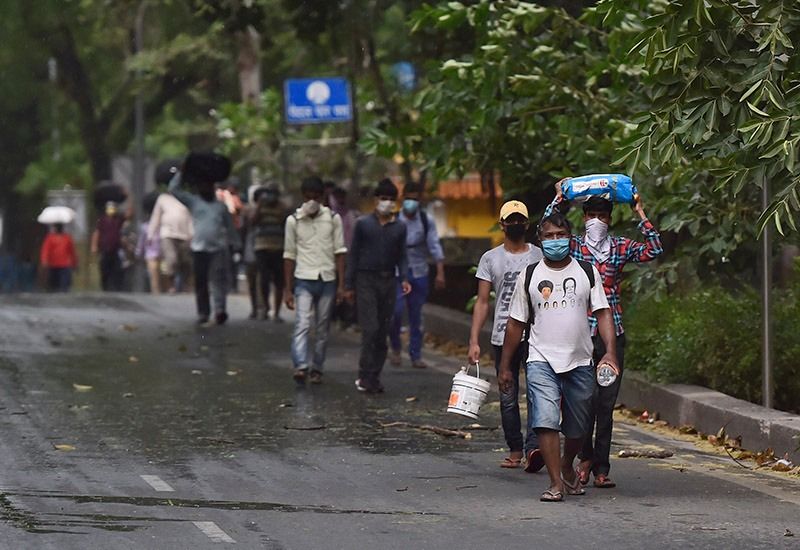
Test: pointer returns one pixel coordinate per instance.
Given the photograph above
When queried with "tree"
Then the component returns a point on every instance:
(723, 87)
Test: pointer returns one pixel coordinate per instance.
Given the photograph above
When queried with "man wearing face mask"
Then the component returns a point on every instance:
(267, 223)
(377, 258)
(214, 232)
(498, 270)
(313, 256)
(422, 240)
(560, 376)
(609, 254)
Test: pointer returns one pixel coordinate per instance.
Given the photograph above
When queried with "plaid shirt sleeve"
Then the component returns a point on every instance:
(649, 250)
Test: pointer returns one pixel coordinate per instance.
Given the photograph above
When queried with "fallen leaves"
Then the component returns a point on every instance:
(133, 359)
(129, 328)
(63, 447)
(82, 387)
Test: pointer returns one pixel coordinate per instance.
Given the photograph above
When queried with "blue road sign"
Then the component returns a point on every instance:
(317, 100)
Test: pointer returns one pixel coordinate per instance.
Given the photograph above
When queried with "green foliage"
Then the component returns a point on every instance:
(722, 84)
(250, 132)
(712, 338)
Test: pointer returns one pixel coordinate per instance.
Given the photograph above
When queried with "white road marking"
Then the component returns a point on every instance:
(212, 531)
(157, 483)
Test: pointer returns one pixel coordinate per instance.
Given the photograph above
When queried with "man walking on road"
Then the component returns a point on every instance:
(172, 223)
(377, 257)
(107, 242)
(214, 234)
(560, 375)
(422, 240)
(609, 254)
(498, 270)
(314, 256)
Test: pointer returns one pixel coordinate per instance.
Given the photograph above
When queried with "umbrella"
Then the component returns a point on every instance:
(56, 214)
(108, 192)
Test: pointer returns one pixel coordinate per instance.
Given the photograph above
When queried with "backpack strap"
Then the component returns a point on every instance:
(426, 224)
(587, 268)
(531, 312)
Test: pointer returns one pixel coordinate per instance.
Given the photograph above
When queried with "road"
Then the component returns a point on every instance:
(125, 426)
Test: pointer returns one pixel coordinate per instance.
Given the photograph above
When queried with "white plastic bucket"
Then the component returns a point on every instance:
(468, 393)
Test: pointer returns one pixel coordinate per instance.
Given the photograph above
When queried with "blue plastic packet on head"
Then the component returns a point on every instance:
(614, 187)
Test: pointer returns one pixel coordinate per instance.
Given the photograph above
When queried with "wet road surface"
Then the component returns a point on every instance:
(125, 426)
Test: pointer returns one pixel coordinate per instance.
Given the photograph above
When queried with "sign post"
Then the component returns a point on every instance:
(317, 100)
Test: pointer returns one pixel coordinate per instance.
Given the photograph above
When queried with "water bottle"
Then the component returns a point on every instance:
(614, 187)
(606, 375)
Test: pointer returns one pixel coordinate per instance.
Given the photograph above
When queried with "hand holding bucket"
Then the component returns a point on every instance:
(468, 393)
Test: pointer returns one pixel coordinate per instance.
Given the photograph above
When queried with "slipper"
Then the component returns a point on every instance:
(535, 461)
(603, 482)
(552, 496)
(509, 462)
(584, 472)
(574, 488)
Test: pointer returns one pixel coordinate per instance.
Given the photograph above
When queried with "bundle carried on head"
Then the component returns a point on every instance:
(206, 167)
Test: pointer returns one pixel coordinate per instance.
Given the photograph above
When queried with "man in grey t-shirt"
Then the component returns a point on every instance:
(498, 270)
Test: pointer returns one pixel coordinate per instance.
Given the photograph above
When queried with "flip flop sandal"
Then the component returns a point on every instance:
(573, 488)
(602, 482)
(552, 496)
(584, 473)
(512, 463)
(535, 461)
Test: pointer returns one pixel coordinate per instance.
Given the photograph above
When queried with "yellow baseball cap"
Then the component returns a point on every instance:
(513, 207)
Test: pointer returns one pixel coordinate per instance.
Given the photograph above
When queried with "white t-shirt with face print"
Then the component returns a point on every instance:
(561, 299)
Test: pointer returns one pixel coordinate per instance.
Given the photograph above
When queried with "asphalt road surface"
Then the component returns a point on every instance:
(125, 426)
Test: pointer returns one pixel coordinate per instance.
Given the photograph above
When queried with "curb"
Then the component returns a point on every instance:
(679, 404)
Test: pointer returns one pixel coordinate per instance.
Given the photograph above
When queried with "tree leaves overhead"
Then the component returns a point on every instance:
(724, 90)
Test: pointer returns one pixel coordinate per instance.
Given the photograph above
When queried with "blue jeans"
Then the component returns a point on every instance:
(413, 302)
(509, 405)
(311, 299)
(561, 401)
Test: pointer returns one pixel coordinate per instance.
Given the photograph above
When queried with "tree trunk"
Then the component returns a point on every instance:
(248, 64)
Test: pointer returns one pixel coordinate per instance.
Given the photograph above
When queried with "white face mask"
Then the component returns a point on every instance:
(596, 230)
(310, 208)
(385, 207)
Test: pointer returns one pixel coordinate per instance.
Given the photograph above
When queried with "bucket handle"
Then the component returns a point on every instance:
(477, 368)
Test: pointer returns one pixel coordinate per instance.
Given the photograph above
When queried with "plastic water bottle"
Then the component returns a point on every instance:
(606, 375)
(614, 187)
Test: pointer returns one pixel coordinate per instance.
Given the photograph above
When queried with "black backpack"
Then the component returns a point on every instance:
(587, 268)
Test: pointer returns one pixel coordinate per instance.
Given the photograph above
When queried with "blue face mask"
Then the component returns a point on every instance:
(555, 249)
(410, 206)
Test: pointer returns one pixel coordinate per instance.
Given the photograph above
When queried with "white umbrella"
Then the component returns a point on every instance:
(56, 214)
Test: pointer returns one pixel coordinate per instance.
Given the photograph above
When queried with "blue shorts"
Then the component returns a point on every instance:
(561, 402)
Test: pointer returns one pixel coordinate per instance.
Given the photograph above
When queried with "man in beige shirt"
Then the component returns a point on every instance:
(313, 256)
(172, 221)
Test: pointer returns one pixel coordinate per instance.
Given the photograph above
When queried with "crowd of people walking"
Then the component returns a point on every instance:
(557, 315)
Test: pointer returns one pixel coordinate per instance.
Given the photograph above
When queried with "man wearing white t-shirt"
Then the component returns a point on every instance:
(498, 270)
(560, 374)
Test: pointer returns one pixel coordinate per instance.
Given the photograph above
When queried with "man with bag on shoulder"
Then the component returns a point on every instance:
(560, 375)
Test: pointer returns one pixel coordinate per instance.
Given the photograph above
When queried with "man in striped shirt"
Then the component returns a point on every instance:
(609, 254)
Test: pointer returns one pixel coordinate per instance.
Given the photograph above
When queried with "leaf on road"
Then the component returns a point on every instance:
(196, 372)
(129, 328)
(232, 372)
(133, 359)
(402, 490)
(128, 395)
(82, 387)
(63, 447)
(411, 399)
(182, 348)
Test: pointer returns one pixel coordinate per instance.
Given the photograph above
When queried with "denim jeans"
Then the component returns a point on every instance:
(602, 423)
(413, 302)
(561, 401)
(312, 300)
(509, 405)
(59, 279)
